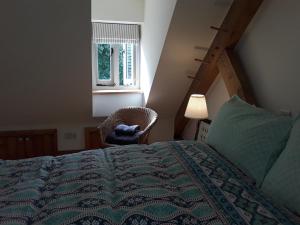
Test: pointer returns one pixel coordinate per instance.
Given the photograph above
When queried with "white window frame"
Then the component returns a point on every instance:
(109, 84)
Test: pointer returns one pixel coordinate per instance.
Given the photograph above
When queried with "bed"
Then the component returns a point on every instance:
(177, 182)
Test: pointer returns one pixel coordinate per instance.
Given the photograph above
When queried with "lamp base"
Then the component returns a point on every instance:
(197, 130)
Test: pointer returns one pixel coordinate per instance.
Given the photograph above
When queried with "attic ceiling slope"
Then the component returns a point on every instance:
(234, 25)
(189, 37)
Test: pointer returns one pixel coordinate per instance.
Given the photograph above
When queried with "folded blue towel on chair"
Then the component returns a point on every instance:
(112, 138)
(123, 129)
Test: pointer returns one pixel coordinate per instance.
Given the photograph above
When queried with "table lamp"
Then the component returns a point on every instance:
(196, 109)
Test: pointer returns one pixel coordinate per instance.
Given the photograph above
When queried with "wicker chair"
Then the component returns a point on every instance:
(142, 116)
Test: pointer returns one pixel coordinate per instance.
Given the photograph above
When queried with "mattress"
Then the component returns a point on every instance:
(181, 182)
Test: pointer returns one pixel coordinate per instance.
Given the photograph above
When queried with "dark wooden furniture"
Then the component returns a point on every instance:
(92, 138)
(27, 144)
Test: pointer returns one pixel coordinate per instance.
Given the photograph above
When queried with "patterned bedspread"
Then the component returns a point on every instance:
(163, 183)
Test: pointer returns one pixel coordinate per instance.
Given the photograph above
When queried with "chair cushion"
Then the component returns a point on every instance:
(113, 138)
(249, 137)
(123, 129)
(282, 183)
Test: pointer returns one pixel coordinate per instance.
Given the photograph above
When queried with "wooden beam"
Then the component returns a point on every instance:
(235, 23)
(234, 76)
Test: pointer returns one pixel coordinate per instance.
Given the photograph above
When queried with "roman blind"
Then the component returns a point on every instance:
(115, 33)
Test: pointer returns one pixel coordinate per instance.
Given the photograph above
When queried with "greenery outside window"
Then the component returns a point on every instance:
(116, 65)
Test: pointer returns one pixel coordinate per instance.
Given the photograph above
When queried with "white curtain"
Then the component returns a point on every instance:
(115, 33)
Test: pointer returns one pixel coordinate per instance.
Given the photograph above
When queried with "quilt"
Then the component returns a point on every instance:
(180, 183)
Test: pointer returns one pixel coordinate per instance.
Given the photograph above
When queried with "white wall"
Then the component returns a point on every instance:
(157, 19)
(158, 15)
(216, 96)
(45, 61)
(45, 66)
(270, 53)
(104, 105)
(118, 10)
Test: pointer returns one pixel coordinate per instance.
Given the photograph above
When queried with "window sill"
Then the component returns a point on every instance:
(127, 91)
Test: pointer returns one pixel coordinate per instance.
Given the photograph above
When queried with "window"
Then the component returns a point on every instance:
(115, 56)
(116, 65)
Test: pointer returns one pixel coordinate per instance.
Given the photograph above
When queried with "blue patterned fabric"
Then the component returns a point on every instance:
(164, 183)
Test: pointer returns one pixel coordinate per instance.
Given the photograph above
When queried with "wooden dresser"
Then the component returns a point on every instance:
(92, 138)
(27, 144)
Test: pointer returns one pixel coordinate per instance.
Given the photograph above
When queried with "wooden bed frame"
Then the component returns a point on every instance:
(221, 59)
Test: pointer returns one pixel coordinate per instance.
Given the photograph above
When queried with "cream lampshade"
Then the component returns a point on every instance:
(196, 108)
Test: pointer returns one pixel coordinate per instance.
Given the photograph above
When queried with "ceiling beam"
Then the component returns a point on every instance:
(234, 25)
(235, 79)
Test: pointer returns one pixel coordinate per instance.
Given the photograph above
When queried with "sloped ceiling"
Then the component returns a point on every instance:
(189, 37)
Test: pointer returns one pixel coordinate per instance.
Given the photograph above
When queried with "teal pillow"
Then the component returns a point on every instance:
(249, 137)
(282, 182)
